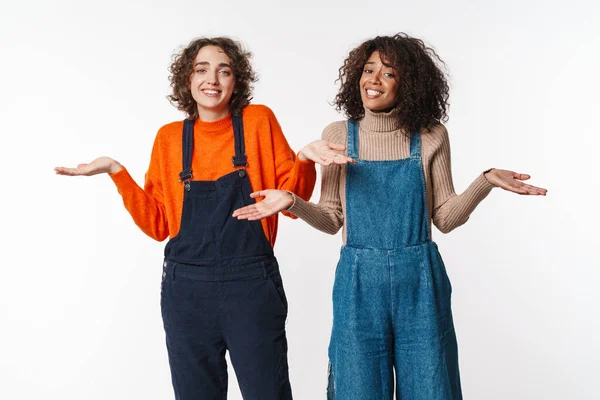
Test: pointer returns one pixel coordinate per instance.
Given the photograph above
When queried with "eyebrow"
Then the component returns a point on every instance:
(207, 63)
(384, 64)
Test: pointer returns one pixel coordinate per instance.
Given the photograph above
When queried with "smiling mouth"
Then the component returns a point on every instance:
(211, 92)
(372, 94)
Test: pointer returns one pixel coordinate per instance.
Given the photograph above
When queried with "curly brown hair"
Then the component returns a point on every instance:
(422, 95)
(183, 66)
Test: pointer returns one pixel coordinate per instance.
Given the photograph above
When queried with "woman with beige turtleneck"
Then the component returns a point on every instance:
(391, 297)
(381, 139)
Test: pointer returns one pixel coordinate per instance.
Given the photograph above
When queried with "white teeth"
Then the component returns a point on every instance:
(373, 92)
(211, 91)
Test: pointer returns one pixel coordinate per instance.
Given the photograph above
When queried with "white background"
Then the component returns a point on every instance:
(79, 291)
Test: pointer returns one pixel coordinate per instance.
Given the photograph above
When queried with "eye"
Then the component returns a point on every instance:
(200, 70)
(225, 72)
(368, 71)
(389, 75)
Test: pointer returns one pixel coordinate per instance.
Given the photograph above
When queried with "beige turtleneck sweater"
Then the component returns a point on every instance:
(380, 139)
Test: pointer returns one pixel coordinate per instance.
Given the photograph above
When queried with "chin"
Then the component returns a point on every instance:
(374, 107)
(212, 106)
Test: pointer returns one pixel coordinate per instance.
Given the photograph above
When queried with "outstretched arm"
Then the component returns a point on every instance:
(146, 206)
(451, 210)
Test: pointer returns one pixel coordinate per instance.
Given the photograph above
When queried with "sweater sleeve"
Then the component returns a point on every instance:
(292, 174)
(449, 209)
(327, 215)
(146, 206)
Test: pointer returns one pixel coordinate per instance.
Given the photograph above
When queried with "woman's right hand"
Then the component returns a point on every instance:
(324, 153)
(98, 166)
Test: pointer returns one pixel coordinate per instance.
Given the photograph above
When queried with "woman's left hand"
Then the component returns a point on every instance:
(274, 201)
(324, 153)
(511, 181)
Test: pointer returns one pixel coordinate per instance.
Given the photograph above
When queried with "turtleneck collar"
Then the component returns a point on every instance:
(380, 121)
(213, 126)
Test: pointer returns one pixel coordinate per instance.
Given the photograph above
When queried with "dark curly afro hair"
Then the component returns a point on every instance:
(422, 96)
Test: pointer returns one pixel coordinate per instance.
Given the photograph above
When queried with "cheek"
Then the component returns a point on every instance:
(363, 96)
(362, 81)
(230, 83)
(194, 89)
(361, 85)
(194, 83)
(392, 90)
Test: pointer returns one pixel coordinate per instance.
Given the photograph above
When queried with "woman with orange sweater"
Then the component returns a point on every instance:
(221, 287)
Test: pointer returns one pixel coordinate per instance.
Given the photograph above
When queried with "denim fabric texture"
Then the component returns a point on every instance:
(392, 322)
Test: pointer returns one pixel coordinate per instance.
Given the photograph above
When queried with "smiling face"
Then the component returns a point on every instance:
(212, 83)
(378, 84)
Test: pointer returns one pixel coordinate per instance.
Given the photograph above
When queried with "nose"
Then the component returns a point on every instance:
(375, 77)
(212, 78)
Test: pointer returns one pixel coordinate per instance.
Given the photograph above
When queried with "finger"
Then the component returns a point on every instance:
(66, 171)
(338, 158)
(538, 192)
(254, 210)
(514, 188)
(249, 217)
(535, 190)
(521, 177)
(535, 193)
(260, 193)
(531, 191)
(239, 212)
(341, 159)
(254, 216)
(260, 215)
(246, 216)
(540, 189)
(244, 210)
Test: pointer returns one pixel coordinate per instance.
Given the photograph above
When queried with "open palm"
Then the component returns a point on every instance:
(325, 153)
(98, 166)
(511, 181)
(274, 201)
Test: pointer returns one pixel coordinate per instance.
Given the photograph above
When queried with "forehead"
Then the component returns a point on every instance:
(212, 55)
(375, 57)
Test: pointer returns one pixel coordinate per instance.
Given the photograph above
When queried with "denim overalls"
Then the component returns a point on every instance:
(222, 290)
(391, 297)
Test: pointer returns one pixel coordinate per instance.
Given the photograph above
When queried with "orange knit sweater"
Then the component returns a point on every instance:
(157, 208)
